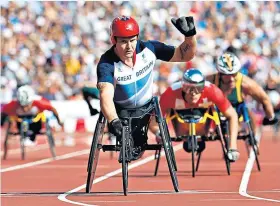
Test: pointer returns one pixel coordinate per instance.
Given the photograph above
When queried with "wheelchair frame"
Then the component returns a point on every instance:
(125, 147)
(24, 128)
(192, 120)
(249, 139)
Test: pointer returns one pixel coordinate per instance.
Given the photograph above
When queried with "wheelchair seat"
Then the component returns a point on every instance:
(191, 115)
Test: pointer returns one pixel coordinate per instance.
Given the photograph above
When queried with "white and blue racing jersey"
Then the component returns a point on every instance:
(133, 86)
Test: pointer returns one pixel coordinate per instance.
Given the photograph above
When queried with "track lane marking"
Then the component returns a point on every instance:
(246, 177)
(62, 197)
(44, 161)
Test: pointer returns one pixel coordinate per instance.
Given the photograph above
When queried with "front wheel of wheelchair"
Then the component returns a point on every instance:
(254, 145)
(125, 154)
(94, 153)
(50, 140)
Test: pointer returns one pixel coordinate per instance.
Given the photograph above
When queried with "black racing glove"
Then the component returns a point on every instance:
(185, 25)
(267, 121)
(116, 127)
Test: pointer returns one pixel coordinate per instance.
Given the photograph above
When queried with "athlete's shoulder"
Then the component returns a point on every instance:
(108, 58)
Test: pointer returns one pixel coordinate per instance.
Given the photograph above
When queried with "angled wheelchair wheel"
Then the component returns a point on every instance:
(23, 130)
(224, 143)
(94, 152)
(125, 154)
(6, 141)
(193, 142)
(198, 161)
(168, 155)
(50, 140)
(254, 145)
(170, 144)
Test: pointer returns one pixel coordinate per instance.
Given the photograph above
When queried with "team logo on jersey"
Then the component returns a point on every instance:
(144, 58)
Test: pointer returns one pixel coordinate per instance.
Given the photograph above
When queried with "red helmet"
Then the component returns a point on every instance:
(123, 26)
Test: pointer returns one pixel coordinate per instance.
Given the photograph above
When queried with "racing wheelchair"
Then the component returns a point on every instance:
(192, 117)
(24, 131)
(249, 137)
(125, 146)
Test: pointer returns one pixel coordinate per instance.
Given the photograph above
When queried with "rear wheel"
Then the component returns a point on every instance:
(254, 145)
(125, 153)
(193, 154)
(50, 140)
(94, 152)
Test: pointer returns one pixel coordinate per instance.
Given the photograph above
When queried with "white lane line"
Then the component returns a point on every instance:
(30, 149)
(246, 176)
(42, 146)
(44, 161)
(62, 197)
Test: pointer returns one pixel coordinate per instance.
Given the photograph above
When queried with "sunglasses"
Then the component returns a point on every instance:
(190, 87)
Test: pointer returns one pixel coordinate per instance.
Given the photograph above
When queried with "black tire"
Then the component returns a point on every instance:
(193, 155)
(223, 132)
(50, 140)
(198, 161)
(94, 153)
(254, 145)
(170, 144)
(124, 151)
(170, 163)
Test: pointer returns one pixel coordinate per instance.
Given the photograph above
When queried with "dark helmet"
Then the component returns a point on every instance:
(193, 78)
(123, 26)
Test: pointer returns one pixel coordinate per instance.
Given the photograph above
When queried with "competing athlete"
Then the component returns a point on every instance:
(236, 85)
(28, 104)
(194, 92)
(125, 71)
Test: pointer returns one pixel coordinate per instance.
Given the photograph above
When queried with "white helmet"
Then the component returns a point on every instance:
(25, 95)
(228, 63)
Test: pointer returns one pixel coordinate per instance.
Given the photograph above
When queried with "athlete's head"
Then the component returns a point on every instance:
(228, 65)
(193, 82)
(25, 95)
(124, 34)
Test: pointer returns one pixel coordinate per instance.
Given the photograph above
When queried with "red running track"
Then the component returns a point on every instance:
(40, 180)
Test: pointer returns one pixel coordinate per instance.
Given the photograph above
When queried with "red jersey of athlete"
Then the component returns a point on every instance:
(172, 98)
(13, 108)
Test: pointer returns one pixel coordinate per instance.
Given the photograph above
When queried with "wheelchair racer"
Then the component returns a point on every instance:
(236, 85)
(125, 71)
(28, 104)
(194, 92)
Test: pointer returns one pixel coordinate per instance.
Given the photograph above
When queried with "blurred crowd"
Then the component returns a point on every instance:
(55, 46)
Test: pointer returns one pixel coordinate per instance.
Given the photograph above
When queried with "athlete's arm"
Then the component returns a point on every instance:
(232, 117)
(44, 104)
(228, 111)
(250, 87)
(106, 100)
(186, 51)
(105, 74)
